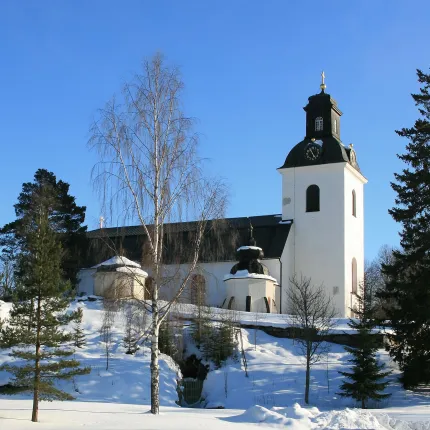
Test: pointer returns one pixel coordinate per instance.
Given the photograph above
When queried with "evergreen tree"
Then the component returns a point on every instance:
(216, 341)
(38, 313)
(408, 275)
(65, 218)
(78, 335)
(168, 339)
(130, 339)
(365, 381)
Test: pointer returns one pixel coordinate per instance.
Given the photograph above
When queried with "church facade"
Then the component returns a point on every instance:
(318, 235)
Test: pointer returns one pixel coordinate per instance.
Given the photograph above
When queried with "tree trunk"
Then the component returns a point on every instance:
(155, 371)
(308, 375)
(363, 404)
(35, 413)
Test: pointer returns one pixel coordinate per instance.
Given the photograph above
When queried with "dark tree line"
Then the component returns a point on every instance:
(407, 289)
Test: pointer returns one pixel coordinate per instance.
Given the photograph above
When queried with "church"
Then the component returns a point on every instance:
(319, 234)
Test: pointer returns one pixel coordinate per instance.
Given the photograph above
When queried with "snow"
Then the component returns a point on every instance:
(243, 248)
(277, 378)
(15, 415)
(118, 261)
(127, 379)
(132, 270)
(243, 274)
(340, 325)
(271, 396)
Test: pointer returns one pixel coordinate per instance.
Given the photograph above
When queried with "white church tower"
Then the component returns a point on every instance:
(322, 195)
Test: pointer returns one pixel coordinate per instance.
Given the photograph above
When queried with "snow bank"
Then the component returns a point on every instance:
(299, 418)
(348, 419)
(295, 417)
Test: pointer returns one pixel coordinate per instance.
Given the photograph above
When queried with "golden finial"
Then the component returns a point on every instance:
(323, 86)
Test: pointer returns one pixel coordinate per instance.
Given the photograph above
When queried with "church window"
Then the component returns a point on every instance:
(319, 124)
(198, 290)
(313, 198)
(354, 203)
(335, 126)
(354, 276)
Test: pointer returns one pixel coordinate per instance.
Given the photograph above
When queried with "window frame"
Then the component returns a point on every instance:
(313, 198)
(319, 123)
(354, 203)
(354, 280)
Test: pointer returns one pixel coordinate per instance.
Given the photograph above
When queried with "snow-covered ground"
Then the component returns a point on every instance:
(127, 379)
(15, 414)
(272, 394)
(340, 325)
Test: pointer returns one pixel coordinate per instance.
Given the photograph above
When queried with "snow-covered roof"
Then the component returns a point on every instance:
(243, 248)
(118, 261)
(132, 271)
(243, 274)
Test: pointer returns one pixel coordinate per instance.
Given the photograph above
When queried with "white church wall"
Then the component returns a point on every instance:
(86, 281)
(354, 232)
(288, 269)
(318, 237)
(213, 273)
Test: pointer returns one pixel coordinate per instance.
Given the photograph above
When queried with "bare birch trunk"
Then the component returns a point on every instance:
(155, 370)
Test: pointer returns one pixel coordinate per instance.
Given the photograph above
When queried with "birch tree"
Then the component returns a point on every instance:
(311, 313)
(149, 172)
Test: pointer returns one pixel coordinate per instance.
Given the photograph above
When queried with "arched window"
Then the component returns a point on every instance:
(313, 198)
(354, 288)
(198, 290)
(319, 123)
(149, 288)
(354, 203)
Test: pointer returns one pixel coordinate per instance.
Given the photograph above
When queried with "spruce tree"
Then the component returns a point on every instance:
(130, 339)
(408, 275)
(39, 312)
(365, 381)
(78, 335)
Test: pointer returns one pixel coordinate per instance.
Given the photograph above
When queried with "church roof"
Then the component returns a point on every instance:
(269, 231)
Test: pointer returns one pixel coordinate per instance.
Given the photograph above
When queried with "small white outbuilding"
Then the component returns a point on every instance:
(119, 277)
(249, 286)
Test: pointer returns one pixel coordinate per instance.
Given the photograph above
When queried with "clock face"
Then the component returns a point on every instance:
(313, 152)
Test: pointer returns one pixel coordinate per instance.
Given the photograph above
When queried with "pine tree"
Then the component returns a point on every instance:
(34, 328)
(65, 216)
(78, 335)
(365, 381)
(408, 275)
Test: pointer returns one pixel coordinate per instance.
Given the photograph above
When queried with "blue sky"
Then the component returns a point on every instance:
(249, 67)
